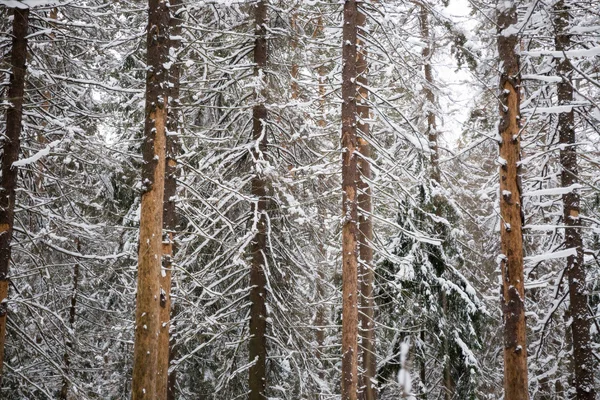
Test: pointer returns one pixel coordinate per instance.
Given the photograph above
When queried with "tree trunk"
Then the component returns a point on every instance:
(365, 223)
(582, 350)
(147, 319)
(258, 312)
(349, 205)
(169, 210)
(11, 148)
(513, 293)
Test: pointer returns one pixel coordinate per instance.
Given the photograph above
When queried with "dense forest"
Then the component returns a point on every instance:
(301, 199)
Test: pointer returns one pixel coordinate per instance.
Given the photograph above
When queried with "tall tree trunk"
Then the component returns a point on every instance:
(258, 311)
(169, 211)
(147, 318)
(365, 223)
(349, 205)
(11, 148)
(432, 136)
(511, 214)
(582, 350)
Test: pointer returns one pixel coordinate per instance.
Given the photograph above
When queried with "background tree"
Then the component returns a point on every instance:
(10, 154)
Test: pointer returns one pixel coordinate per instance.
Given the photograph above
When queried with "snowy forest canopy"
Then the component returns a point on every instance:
(284, 200)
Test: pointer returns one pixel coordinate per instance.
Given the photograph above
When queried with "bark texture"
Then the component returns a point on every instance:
(11, 147)
(163, 379)
(583, 356)
(258, 248)
(350, 233)
(513, 292)
(368, 389)
(147, 318)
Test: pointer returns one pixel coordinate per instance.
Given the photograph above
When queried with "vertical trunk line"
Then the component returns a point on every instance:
(164, 383)
(258, 325)
(578, 305)
(349, 144)
(147, 319)
(11, 144)
(511, 259)
(365, 233)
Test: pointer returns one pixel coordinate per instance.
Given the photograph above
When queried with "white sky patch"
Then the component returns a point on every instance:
(108, 132)
(458, 92)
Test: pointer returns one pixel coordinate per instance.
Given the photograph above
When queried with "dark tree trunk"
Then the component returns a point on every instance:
(147, 319)
(511, 214)
(350, 246)
(258, 324)
(11, 148)
(583, 358)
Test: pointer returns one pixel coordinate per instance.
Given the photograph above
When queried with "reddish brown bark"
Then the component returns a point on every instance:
(165, 382)
(513, 292)
(258, 248)
(11, 147)
(147, 319)
(350, 248)
(368, 390)
(583, 357)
